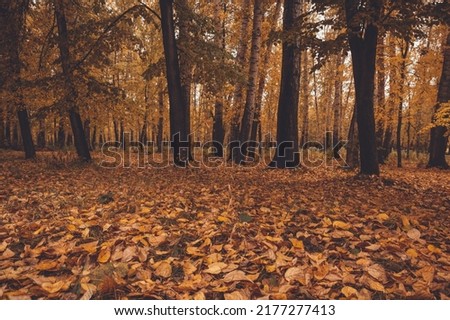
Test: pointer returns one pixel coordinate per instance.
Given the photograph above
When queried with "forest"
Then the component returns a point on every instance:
(224, 149)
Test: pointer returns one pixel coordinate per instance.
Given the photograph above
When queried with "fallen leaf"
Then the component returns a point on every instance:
(216, 268)
(164, 270)
(104, 255)
(53, 287)
(349, 292)
(342, 225)
(414, 234)
(293, 274)
(236, 275)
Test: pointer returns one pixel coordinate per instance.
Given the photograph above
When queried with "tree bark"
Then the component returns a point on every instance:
(363, 44)
(439, 139)
(15, 20)
(239, 90)
(337, 104)
(256, 125)
(403, 70)
(381, 100)
(178, 109)
(287, 155)
(79, 137)
(218, 125)
(253, 76)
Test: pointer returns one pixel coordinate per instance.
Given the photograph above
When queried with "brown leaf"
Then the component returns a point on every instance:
(104, 255)
(349, 292)
(293, 274)
(414, 234)
(164, 270)
(236, 275)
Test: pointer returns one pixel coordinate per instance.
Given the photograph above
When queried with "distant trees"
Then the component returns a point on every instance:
(224, 71)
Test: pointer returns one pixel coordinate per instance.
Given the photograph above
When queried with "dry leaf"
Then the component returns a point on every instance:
(293, 274)
(349, 292)
(414, 234)
(53, 287)
(216, 268)
(164, 270)
(236, 275)
(104, 255)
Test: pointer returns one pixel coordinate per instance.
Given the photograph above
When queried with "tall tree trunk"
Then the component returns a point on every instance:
(381, 100)
(186, 68)
(391, 104)
(41, 133)
(256, 125)
(287, 155)
(178, 109)
(239, 90)
(81, 144)
(439, 139)
(220, 40)
(404, 56)
(160, 129)
(363, 45)
(337, 104)
(305, 94)
(16, 17)
(253, 76)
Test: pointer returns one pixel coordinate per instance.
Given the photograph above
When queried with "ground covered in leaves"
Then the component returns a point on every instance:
(80, 231)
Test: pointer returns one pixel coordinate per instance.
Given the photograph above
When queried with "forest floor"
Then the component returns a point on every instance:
(71, 231)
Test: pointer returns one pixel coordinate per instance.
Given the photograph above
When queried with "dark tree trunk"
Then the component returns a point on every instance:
(287, 155)
(94, 138)
(81, 143)
(218, 129)
(439, 139)
(186, 69)
(364, 51)
(239, 90)
(61, 134)
(13, 32)
(220, 40)
(178, 110)
(41, 141)
(160, 129)
(352, 158)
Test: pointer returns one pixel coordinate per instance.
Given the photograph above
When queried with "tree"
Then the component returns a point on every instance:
(13, 17)
(439, 139)
(253, 76)
(362, 22)
(178, 110)
(81, 143)
(287, 155)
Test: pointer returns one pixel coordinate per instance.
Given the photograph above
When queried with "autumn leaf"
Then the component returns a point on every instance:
(216, 268)
(342, 225)
(104, 256)
(235, 276)
(164, 270)
(349, 292)
(293, 274)
(53, 287)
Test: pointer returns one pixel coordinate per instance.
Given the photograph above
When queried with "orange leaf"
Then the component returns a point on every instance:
(104, 255)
